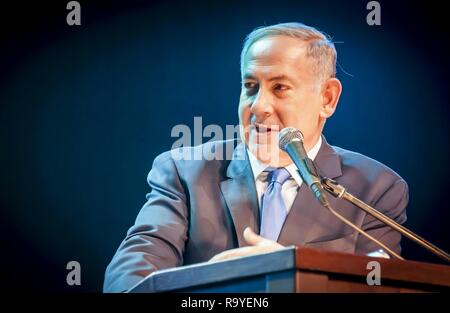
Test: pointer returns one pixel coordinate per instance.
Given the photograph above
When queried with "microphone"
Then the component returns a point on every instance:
(290, 140)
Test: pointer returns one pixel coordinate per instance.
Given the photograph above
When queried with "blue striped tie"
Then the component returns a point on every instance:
(273, 208)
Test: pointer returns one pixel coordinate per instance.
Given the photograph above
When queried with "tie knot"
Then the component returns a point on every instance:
(279, 175)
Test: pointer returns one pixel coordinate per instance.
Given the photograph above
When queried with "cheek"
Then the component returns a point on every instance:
(244, 121)
(303, 114)
(244, 113)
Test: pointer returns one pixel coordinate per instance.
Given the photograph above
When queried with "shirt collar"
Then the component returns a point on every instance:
(258, 167)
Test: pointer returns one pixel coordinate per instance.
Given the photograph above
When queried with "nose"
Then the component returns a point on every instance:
(262, 105)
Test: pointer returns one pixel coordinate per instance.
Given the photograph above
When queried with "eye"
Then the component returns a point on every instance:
(249, 85)
(280, 87)
(251, 88)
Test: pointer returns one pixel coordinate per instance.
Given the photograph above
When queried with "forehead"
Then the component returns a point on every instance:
(276, 55)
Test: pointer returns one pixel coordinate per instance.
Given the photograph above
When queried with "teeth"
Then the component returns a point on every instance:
(261, 128)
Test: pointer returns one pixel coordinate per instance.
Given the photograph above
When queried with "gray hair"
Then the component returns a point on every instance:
(320, 46)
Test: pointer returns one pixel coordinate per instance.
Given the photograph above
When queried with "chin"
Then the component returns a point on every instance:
(266, 153)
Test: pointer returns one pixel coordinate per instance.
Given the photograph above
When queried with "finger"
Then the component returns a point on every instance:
(219, 257)
(216, 258)
(256, 240)
(229, 254)
(251, 238)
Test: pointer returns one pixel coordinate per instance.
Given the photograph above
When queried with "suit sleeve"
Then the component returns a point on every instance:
(157, 239)
(392, 203)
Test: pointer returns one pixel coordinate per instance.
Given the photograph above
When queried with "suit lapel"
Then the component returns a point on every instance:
(239, 193)
(305, 212)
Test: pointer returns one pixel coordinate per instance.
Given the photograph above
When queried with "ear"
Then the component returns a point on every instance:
(331, 91)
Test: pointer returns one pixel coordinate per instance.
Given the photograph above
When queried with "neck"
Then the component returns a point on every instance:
(283, 159)
(311, 142)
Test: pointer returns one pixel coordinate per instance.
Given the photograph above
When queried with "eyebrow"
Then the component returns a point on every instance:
(278, 77)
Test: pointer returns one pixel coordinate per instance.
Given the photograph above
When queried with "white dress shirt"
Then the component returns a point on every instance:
(290, 187)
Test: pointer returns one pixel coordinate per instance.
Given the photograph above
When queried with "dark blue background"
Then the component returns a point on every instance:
(85, 110)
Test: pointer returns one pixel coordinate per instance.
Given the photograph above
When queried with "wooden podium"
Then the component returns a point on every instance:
(299, 269)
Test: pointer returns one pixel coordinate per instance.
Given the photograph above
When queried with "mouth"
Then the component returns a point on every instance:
(260, 128)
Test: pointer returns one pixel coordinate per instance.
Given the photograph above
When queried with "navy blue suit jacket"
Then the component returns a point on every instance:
(196, 209)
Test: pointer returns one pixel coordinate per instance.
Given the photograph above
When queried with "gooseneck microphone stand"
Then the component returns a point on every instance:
(339, 191)
(291, 141)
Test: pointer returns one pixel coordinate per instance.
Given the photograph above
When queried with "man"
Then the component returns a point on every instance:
(214, 209)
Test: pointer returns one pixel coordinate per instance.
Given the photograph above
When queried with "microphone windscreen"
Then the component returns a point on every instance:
(287, 135)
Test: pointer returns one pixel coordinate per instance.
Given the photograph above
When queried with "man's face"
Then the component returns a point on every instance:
(279, 89)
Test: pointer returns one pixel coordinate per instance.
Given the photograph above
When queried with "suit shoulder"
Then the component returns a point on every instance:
(354, 163)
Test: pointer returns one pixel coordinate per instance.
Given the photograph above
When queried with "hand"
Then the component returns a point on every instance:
(257, 244)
